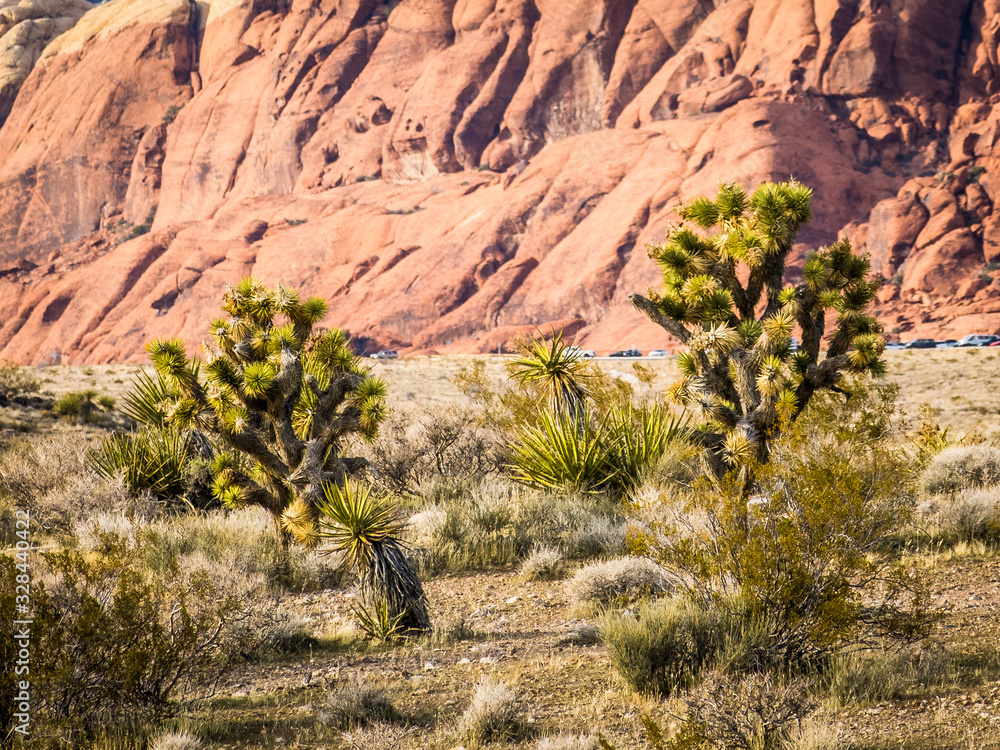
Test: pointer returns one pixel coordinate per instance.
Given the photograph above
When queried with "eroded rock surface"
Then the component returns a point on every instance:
(454, 172)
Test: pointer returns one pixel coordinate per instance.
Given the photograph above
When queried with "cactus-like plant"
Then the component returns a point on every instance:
(724, 297)
(279, 399)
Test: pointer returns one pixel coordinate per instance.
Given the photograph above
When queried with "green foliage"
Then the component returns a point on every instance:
(559, 455)
(279, 398)
(740, 371)
(667, 644)
(557, 369)
(664, 648)
(171, 113)
(111, 645)
(366, 529)
(158, 458)
(576, 453)
(8, 647)
(140, 229)
(149, 460)
(14, 381)
(818, 534)
(85, 407)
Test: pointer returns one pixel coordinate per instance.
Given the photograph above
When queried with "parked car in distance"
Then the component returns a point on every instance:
(895, 345)
(626, 353)
(658, 353)
(582, 353)
(977, 339)
(995, 343)
(946, 343)
(385, 354)
(921, 344)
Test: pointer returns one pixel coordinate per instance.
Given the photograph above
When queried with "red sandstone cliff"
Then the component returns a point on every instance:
(448, 172)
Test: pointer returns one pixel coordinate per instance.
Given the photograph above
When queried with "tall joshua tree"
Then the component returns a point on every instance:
(723, 296)
(278, 400)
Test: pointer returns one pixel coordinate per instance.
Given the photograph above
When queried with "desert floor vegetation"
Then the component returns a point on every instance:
(530, 552)
(505, 569)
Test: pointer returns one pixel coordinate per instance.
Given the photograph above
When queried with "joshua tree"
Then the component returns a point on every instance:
(724, 297)
(278, 399)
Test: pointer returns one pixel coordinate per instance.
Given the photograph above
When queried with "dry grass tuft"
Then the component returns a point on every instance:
(543, 563)
(357, 705)
(962, 466)
(493, 715)
(176, 741)
(567, 742)
(624, 579)
(378, 736)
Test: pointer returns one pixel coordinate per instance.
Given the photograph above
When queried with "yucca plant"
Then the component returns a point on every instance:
(279, 400)
(152, 458)
(367, 529)
(558, 455)
(723, 295)
(557, 369)
(148, 460)
(641, 436)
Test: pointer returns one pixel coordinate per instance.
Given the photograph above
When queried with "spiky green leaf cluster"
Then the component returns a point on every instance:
(280, 397)
(724, 295)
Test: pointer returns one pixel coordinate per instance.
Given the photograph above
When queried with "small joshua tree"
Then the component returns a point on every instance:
(278, 399)
(723, 297)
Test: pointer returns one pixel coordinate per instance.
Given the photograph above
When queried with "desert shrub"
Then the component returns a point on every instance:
(959, 467)
(541, 563)
(864, 677)
(246, 538)
(814, 734)
(492, 716)
(288, 633)
(48, 476)
(315, 570)
(498, 523)
(357, 704)
(596, 536)
(974, 514)
(9, 648)
(112, 644)
(567, 742)
(15, 380)
(447, 444)
(755, 712)
(176, 741)
(618, 581)
(666, 646)
(104, 531)
(246, 535)
(813, 548)
(85, 407)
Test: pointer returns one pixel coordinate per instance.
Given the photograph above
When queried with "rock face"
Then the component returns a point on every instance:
(450, 173)
(26, 27)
